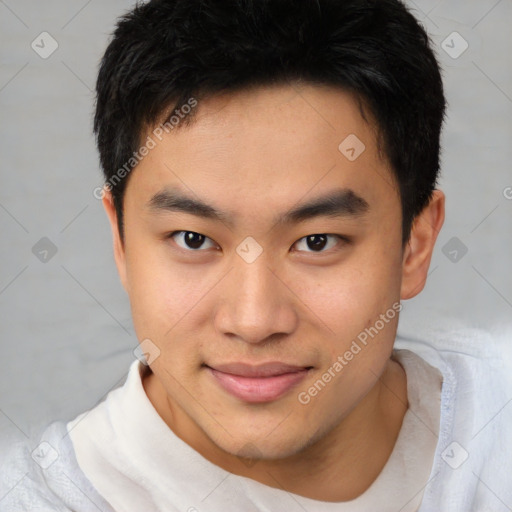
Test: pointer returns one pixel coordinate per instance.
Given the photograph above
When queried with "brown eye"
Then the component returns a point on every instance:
(318, 242)
(190, 240)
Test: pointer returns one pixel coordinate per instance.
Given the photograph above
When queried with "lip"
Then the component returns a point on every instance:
(257, 384)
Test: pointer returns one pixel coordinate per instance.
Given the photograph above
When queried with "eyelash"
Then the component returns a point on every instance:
(343, 239)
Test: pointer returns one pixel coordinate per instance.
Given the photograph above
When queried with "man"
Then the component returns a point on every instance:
(270, 180)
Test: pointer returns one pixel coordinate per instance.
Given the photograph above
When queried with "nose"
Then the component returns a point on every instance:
(256, 305)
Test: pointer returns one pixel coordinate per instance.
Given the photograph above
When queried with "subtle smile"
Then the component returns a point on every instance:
(257, 384)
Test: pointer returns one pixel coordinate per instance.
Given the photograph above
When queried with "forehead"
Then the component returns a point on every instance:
(269, 145)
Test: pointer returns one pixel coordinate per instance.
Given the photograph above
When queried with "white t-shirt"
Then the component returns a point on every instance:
(137, 463)
(136, 460)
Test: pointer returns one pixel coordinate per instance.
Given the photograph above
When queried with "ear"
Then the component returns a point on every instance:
(119, 250)
(419, 249)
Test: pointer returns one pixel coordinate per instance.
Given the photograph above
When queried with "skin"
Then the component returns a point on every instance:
(254, 154)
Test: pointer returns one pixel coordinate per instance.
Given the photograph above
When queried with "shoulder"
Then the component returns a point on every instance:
(474, 453)
(476, 361)
(25, 463)
(42, 474)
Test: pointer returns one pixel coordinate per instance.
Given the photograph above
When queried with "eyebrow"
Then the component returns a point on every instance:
(342, 202)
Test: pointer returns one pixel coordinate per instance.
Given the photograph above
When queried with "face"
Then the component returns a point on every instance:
(250, 301)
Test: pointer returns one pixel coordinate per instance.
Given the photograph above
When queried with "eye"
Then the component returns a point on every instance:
(318, 242)
(190, 240)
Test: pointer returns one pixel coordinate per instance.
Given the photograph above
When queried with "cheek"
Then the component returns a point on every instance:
(349, 295)
(347, 303)
(361, 311)
(159, 295)
(166, 304)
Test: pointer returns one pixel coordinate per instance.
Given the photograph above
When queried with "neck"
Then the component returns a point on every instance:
(340, 466)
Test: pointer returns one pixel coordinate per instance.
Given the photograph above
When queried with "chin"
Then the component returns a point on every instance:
(254, 449)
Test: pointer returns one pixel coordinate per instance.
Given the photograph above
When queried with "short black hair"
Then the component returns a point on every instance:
(165, 52)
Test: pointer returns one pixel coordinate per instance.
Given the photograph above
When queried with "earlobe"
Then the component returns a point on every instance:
(419, 249)
(118, 246)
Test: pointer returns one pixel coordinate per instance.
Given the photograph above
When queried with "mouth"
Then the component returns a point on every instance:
(258, 384)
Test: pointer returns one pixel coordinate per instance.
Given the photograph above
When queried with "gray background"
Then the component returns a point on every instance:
(66, 332)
